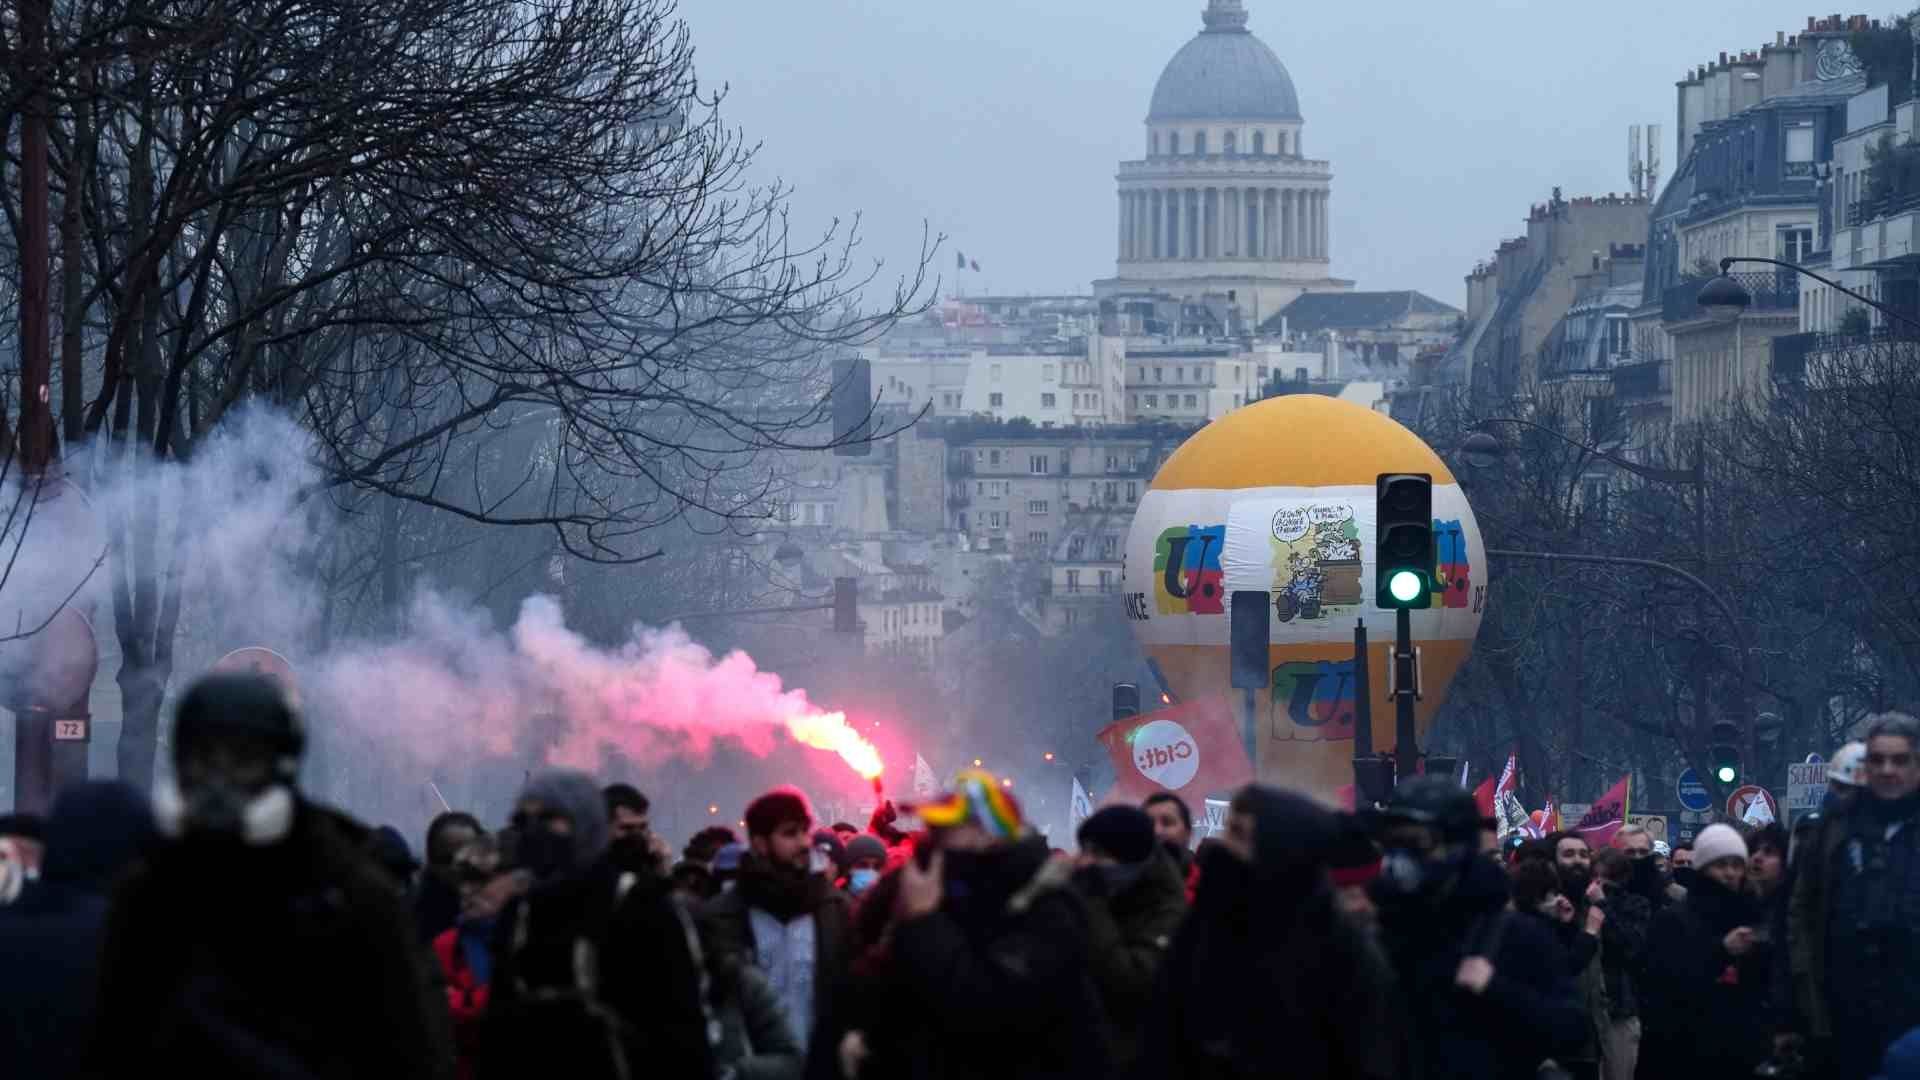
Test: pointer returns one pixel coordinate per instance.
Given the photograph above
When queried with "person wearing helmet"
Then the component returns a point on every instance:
(1855, 956)
(260, 940)
(1483, 993)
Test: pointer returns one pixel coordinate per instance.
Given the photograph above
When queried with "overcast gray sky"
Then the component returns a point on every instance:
(1000, 122)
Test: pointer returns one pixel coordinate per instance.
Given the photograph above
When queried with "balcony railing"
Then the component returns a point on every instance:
(1793, 352)
(1863, 211)
(1771, 291)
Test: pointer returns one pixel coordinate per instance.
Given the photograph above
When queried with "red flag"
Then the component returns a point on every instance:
(1192, 749)
(1609, 812)
(1483, 797)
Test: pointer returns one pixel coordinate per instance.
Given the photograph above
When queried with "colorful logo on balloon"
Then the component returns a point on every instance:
(1316, 697)
(1452, 573)
(1187, 579)
(1166, 754)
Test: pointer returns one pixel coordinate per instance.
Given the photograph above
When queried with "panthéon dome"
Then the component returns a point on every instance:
(1224, 73)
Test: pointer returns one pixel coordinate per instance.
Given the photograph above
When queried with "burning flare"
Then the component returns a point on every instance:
(830, 731)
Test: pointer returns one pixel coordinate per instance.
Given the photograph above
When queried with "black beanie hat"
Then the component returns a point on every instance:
(1124, 832)
(776, 808)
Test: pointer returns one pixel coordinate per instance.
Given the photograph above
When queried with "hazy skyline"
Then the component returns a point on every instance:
(1001, 123)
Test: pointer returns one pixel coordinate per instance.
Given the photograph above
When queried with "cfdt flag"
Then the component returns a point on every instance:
(1192, 749)
(1607, 814)
(1080, 808)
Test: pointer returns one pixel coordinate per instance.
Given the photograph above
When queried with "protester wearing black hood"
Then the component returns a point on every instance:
(50, 936)
(982, 970)
(1484, 993)
(1623, 942)
(436, 905)
(1268, 978)
(1135, 902)
(261, 942)
(597, 971)
(1704, 996)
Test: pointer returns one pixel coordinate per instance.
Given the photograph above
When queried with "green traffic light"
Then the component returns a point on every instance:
(1727, 774)
(1405, 586)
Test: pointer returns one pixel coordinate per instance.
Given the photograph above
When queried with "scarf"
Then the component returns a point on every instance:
(783, 893)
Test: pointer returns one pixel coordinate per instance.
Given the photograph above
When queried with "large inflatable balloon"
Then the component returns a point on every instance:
(1278, 498)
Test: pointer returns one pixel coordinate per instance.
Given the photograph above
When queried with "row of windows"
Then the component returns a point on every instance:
(1173, 400)
(790, 513)
(893, 618)
(1042, 464)
(1107, 583)
(1200, 374)
(1077, 549)
(1230, 143)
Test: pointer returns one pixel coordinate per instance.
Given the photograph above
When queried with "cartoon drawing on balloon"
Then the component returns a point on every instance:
(1316, 560)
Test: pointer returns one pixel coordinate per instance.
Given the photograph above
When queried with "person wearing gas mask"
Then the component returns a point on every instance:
(783, 914)
(596, 969)
(1484, 993)
(1136, 898)
(258, 941)
(1271, 975)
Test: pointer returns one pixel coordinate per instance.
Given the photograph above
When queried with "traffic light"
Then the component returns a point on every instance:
(1403, 541)
(1126, 701)
(846, 606)
(1723, 756)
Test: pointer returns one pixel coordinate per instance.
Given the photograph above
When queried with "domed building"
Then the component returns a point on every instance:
(1225, 204)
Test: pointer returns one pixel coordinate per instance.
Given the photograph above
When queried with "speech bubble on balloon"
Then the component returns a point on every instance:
(1290, 523)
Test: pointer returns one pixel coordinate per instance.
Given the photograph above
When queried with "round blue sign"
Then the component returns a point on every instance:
(1693, 794)
(1816, 759)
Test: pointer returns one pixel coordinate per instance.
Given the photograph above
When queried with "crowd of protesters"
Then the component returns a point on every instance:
(232, 927)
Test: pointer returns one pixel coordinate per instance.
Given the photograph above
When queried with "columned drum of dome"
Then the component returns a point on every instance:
(1225, 205)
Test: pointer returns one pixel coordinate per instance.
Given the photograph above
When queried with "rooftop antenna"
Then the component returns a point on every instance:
(1653, 161)
(1636, 168)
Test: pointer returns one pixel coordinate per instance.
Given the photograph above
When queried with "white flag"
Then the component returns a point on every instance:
(924, 785)
(1758, 813)
(1081, 808)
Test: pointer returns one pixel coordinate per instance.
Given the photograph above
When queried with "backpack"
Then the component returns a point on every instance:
(561, 1026)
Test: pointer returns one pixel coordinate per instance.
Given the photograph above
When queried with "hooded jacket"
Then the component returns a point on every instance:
(1702, 1009)
(227, 960)
(50, 937)
(1527, 1013)
(996, 983)
(1128, 935)
(1266, 978)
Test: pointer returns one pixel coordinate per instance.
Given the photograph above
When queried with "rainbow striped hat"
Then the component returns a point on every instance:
(977, 796)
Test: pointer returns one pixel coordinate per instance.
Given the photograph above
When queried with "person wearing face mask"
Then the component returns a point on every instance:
(629, 819)
(1135, 899)
(1268, 976)
(1483, 993)
(465, 950)
(1704, 995)
(258, 941)
(866, 861)
(596, 970)
(982, 966)
(783, 914)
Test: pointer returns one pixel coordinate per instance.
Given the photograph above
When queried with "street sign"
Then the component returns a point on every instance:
(73, 729)
(1806, 786)
(1693, 794)
(1816, 759)
(1743, 798)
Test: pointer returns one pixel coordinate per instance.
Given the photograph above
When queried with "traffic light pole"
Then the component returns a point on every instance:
(1405, 753)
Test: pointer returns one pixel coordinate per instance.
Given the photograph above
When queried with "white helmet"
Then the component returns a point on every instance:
(1849, 765)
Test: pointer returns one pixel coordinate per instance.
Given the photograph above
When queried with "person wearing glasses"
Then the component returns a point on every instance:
(1854, 915)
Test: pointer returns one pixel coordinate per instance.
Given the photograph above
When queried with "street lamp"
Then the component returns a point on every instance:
(1723, 298)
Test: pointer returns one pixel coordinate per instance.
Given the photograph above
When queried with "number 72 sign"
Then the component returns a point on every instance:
(70, 730)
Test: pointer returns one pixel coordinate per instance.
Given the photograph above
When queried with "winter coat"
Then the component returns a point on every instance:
(650, 978)
(466, 1000)
(1702, 1009)
(727, 922)
(1529, 1011)
(294, 959)
(436, 906)
(50, 936)
(1266, 978)
(1582, 952)
(1855, 952)
(996, 983)
(756, 1040)
(1623, 943)
(1127, 937)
